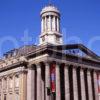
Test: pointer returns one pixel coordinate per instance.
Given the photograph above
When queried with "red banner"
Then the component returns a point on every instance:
(52, 77)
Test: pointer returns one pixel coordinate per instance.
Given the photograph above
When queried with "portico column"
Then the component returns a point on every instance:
(75, 87)
(39, 83)
(31, 83)
(90, 93)
(83, 93)
(66, 75)
(95, 85)
(58, 95)
(47, 80)
(23, 85)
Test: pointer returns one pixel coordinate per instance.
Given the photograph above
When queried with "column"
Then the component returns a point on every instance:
(47, 80)
(23, 86)
(89, 81)
(58, 26)
(42, 25)
(42, 81)
(58, 94)
(75, 87)
(31, 83)
(95, 85)
(54, 23)
(39, 83)
(67, 92)
(49, 23)
(99, 85)
(83, 93)
(45, 24)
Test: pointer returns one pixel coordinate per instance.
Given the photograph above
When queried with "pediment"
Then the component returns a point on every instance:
(77, 49)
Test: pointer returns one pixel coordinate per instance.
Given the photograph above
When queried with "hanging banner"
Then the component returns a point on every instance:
(53, 78)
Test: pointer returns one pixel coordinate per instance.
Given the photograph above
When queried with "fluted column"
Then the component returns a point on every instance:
(83, 93)
(58, 26)
(75, 87)
(39, 83)
(95, 85)
(31, 83)
(66, 75)
(89, 81)
(47, 80)
(58, 94)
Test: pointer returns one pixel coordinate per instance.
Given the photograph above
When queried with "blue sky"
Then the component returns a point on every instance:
(80, 22)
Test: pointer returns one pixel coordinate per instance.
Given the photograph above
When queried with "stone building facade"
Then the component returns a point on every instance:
(51, 70)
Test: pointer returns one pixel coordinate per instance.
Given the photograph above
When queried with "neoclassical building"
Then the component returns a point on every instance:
(50, 70)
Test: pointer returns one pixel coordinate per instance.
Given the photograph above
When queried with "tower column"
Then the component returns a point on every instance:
(42, 25)
(39, 83)
(58, 94)
(89, 80)
(66, 75)
(54, 23)
(75, 87)
(50, 23)
(58, 28)
(45, 24)
(83, 93)
(47, 80)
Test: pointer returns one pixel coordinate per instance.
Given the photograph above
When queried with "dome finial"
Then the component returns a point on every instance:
(50, 3)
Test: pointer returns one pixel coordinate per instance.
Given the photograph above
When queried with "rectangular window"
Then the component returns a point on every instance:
(5, 97)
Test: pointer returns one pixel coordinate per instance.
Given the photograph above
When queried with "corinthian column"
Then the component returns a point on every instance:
(66, 75)
(95, 85)
(47, 80)
(58, 95)
(31, 83)
(83, 93)
(89, 80)
(75, 87)
(39, 83)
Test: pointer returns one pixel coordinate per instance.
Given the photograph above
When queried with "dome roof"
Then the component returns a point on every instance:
(49, 8)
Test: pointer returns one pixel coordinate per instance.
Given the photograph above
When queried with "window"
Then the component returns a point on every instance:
(5, 83)
(5, 98)
(17, 96)
(10, 82)
(57, 38)
(17, 81)
(0, 84)
(43, 38)
(0, 96)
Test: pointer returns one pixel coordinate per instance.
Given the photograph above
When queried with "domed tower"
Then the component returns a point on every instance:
(50, 26)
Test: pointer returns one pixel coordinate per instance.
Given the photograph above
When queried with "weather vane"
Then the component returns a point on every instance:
(50, 2)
